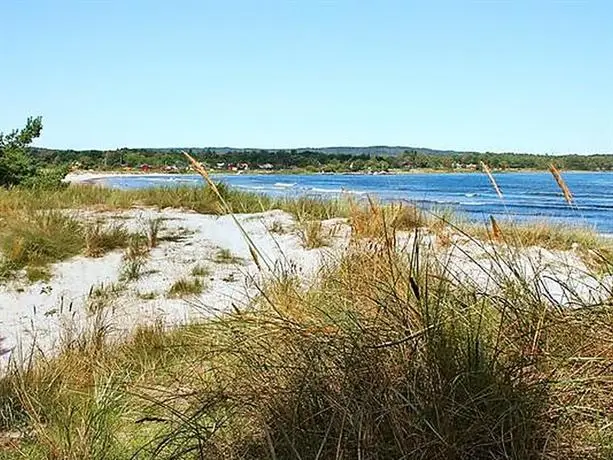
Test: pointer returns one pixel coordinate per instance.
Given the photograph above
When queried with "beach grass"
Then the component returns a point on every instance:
(37, 239)
(383, 356)
(186, 287)
(313, 234)
(32, 239)
(225, 256)
(201, 270)
(100, 239)
(23, 221)
(586, 241)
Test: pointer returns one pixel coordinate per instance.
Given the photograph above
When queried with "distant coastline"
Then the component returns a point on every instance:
(83, 177)
(87, 176)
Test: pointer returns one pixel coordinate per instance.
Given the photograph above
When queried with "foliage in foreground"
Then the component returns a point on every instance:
(385, 356)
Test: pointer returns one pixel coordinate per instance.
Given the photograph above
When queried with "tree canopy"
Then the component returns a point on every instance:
(18, 167)
(318, 160)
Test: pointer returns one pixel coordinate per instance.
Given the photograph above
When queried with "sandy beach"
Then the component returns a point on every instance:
(44, 314)
(81, 177)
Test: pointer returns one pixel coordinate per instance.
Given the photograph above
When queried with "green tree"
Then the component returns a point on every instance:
(15, 164)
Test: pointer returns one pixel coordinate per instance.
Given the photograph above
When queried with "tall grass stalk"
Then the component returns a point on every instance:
(492, 179)
(555, 172)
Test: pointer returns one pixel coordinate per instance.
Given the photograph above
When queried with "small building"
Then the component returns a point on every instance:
(266, 166)
(145, 167)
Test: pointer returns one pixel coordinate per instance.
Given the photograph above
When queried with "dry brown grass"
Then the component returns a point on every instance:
(596, 251)
(374, 220)
(313, 234)
(557, 175)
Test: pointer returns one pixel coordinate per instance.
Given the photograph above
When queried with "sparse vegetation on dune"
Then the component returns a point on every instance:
(200, 270)
(225, 256)
(596, 250)
(202, 200)
(33, 239)
(100, 239)
(186, 287)
(313, 234)
(38, 239)
(385, 354)
(77, 196)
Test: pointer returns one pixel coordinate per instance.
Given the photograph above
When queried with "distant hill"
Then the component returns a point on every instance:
(379, 150)
(327, 159)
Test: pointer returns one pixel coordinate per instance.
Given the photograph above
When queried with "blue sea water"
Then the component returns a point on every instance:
(527, 195)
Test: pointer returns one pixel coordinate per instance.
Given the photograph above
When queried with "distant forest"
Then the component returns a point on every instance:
(334, 159)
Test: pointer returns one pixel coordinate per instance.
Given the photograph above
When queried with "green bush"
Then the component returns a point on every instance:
(18, 167)
(46, 178)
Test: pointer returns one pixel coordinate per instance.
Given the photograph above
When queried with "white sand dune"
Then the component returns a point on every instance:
(44, 315)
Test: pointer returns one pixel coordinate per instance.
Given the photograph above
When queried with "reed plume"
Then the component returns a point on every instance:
(555, 172)
(496, 230)
(488, 172)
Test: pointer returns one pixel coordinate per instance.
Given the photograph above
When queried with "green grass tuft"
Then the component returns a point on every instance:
(186, 287)
(200, 270)
(225, 256)
(35, 274)
(100, 239)
(39, 239)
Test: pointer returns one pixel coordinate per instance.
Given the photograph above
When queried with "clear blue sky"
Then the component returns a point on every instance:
(533, 76)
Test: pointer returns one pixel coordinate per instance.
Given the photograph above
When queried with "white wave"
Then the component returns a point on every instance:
(472, 203)
(285, 184)
(250, 187)
(325, 190)
(336, 190)
(470, 195)
(158, 179)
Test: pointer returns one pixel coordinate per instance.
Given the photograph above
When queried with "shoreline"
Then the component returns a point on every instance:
(80, 177)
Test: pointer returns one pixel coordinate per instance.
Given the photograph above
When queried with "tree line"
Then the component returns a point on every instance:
(318, 161)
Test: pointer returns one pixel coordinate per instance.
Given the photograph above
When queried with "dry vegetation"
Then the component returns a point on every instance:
(313, 234)
(32, 239)
(386, 356)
